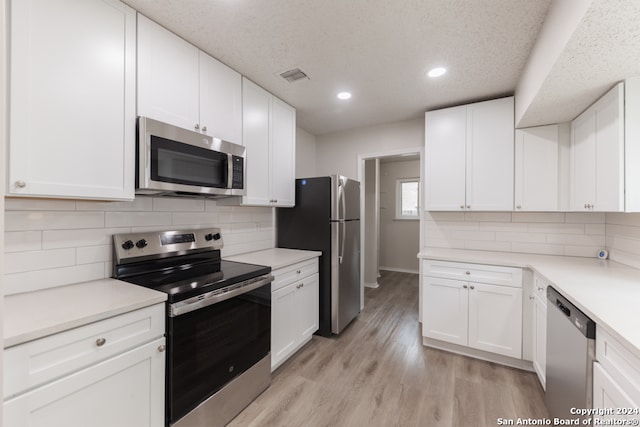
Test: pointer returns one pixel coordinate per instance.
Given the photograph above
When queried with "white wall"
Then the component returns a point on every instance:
(337, 153)
(399, 239)
(305, 154)
(52, 243)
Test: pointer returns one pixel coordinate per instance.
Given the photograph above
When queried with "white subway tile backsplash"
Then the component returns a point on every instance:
(51, 278)
(52, 243)
(553, 217)
(20, 204)
(20, 241)
(137, 219)
(139, 204)
(79, 238)
(553, 233)
(92, 254)
(18, 262)
(178, 204)
(49, 220)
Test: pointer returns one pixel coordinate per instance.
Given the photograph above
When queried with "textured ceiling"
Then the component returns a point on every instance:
(379, 50)
(604, 49)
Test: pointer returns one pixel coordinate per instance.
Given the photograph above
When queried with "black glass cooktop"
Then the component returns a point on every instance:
(184, 281)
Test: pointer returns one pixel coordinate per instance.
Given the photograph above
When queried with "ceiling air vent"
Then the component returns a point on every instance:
(293, 75)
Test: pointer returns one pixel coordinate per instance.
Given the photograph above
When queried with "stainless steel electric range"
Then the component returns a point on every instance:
(218, 321)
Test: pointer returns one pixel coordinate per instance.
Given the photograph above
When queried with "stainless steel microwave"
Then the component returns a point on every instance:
(176, 161)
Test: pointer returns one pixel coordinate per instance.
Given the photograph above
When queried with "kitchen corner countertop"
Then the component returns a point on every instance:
(606, 291)
(32, 315)
(275, 258)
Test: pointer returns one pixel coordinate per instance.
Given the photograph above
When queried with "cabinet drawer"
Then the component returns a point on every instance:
(622, 365)
(37, 362)
(497, 275)
(294, 272)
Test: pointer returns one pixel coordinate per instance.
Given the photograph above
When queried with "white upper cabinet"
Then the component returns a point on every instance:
(469, 157)
(168, 76)
(72, 99)
(537, 172)
(269, 127)
(597, 180)
(183, 86)
(220, 100)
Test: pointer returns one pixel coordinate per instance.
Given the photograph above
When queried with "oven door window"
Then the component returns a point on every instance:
(186, 164)
(211, 346)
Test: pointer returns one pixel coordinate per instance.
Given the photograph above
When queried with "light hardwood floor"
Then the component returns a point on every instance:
(378, 373)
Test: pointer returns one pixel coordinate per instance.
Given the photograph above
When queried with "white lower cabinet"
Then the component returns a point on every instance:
(472, 305)
(294, 309)
(616, 379)
(105, 374)
(540, 328)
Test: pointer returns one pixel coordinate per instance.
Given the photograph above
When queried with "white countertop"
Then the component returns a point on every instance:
(607, 292)
(275, 258)
(33, 315)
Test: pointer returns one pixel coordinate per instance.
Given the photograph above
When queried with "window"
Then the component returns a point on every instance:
(407, 201)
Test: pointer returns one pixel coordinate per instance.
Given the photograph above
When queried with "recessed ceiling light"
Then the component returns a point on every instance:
(437, 72)
(344, 95)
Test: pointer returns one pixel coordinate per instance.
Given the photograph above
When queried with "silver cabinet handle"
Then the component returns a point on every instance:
(162, 348)
(467, 273)
(531, 297)
(465, 286)
(461, 206)
(197, 126)
(21, 184)
(468, 206)
(100, 342)
(518, 207)
(298, 271)
(472, 287)
(540, 289)
(204, 128)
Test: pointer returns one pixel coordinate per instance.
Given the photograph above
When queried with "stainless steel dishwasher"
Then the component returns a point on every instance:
(570, 354)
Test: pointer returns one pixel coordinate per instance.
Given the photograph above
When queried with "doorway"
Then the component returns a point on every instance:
(390, 236)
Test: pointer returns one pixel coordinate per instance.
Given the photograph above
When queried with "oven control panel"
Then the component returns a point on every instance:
(135, 245)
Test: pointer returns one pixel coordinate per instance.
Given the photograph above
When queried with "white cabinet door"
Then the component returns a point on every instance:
(125, 391)
(168, 76)
(445, 310)
(609, 183)
(469, 157)
(607, 394)
(490, 145)
(445, 163)
(220, 100)
(597, 155)
(309, 305)
(536, 169)
(495, 319)
(72, 99)
(284, 322)
(583, 162)
(255, 136)
(282, 152)
(540, 340)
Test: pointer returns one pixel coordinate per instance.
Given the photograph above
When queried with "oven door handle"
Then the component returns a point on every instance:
(204, 300)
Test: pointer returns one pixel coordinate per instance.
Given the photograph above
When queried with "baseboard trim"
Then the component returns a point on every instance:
(399, 270)
(372, 285)
(525, 365)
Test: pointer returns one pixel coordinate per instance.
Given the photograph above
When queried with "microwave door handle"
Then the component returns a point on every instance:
(229, 171)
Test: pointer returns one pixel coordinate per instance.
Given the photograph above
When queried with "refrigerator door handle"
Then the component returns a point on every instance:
(342, 237)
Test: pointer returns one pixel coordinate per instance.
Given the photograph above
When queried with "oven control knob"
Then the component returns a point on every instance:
(127, 245)
(142, 243)
(212, 236)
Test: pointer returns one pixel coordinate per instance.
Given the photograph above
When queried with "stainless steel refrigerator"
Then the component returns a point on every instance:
(326, 218)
